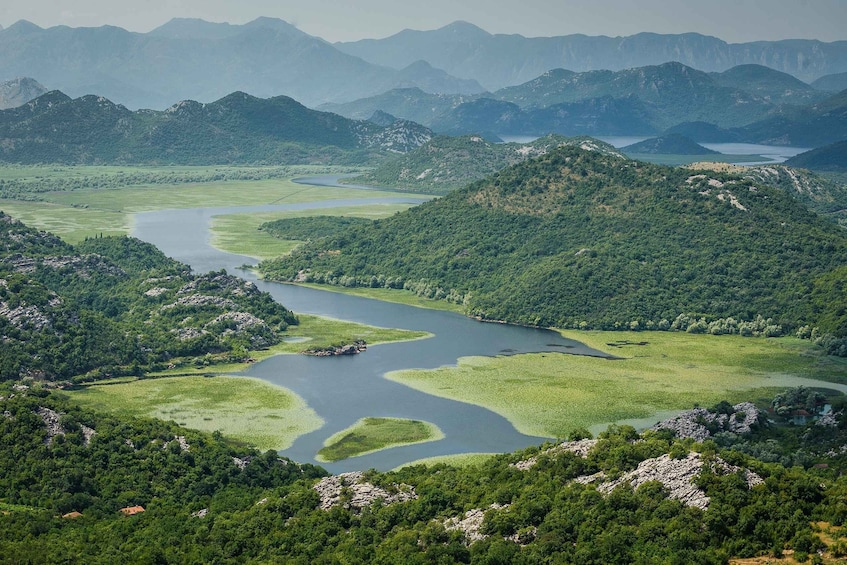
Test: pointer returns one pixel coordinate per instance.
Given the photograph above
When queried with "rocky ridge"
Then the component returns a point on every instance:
(696, 423)
(676, 476)
(470, 523)
(351, 491)
(580, 448)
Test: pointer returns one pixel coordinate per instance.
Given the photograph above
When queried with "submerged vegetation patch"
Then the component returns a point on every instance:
(373, 434)
(241, 408)
(551, 394)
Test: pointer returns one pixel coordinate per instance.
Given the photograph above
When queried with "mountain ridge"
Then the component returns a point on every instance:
(237, 128)
(267, 56)
(474, 53)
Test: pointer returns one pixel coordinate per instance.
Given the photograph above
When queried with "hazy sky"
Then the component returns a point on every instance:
(334, 20)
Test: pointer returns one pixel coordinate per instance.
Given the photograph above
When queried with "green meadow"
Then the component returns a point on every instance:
(373, 434)
(76, 214)
(244, 409)
(551, 394)
(406, 297)
(458, 460)
(71, 224)
(240, 233)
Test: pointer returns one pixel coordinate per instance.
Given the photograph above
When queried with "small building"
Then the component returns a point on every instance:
(72, 515)
(132, 510)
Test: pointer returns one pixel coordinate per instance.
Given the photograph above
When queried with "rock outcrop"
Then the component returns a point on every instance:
(470, 522)
(350, 491)
(677, 475)
(580, 448)
(696, 423)
(51, 420)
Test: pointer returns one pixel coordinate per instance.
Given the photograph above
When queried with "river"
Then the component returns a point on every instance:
(344, 389)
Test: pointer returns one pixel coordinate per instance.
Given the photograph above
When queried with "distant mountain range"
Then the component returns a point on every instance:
(198, 60)
(746, 103)
(238, 128)
(496, 61)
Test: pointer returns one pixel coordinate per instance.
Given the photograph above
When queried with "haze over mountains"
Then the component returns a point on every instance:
(194, 59)
(462, 49)
(749, 103)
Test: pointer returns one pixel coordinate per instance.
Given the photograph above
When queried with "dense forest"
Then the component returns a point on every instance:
(71, 480)
(112, 306)
(577, 239)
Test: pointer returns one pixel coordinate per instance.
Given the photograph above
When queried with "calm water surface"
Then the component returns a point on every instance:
(344, 389)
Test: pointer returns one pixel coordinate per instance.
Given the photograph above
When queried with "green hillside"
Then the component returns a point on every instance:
(446, 163)
(807, 126)
(671, 144)
(580, 239)
(112, 306)
(830, 158)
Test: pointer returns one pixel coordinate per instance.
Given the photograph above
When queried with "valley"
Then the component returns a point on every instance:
(447, 296)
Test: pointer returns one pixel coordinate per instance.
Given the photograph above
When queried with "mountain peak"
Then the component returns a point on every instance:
(194, 28)
(461, 27)
(24, 26)
(272, 23)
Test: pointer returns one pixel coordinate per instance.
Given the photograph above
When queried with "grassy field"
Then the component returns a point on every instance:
(195, 195)
(458, 460)
(406, 297)
(76, 214)
(71, 224)
(241, 408)
(239, 233)
(551, 394)
(373, 434)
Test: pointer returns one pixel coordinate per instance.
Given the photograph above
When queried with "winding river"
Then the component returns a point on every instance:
(341, 390)
(344, 389)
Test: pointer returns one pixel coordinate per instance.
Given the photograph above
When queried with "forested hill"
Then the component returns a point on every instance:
(238, 128)
(112, 306)
(580, 239)
(446, 163)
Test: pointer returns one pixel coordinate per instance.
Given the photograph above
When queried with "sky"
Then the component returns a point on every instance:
(731, 20)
